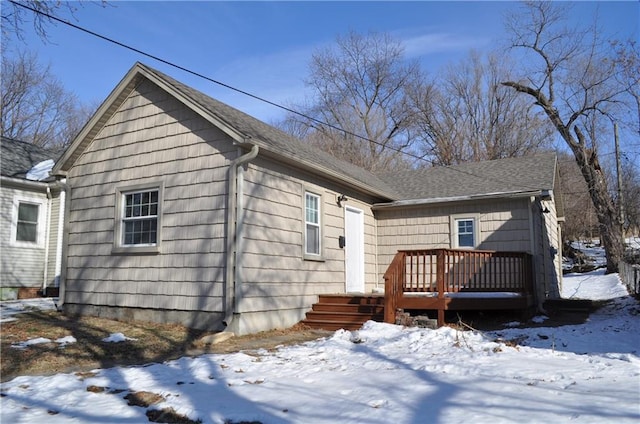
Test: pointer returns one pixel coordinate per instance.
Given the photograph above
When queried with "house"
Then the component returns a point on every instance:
(32, 221)
(184, 209)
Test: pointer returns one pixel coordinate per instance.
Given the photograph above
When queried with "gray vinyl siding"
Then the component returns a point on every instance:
(548, 264)
(22, 266)
(503, 223)
(151, 138)
(274, 273)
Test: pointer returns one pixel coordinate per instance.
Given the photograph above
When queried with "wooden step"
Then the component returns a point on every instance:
(351, 299)
(349, 312)
(348, 307)
(342, 316)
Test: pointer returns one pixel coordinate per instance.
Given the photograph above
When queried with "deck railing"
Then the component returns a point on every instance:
(441, 271)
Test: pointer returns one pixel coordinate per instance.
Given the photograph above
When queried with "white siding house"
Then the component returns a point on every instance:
(32, 210)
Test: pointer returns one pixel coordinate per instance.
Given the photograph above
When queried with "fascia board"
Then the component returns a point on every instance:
(19, 183)
(195, 106)
(323, 171)
(97, 121)
(438, 200)
(113, 102)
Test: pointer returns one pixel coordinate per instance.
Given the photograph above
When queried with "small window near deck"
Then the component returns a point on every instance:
(465, 232)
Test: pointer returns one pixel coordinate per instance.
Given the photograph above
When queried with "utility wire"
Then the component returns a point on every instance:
(199, 75)
(246, 93)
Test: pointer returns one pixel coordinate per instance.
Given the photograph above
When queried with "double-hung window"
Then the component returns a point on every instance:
(465, 232)
(27, 225)
(138, 220)
(28, 222)
(313, 229)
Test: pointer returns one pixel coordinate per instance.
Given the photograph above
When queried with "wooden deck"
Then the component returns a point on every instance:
(434, 280)
(451, 279)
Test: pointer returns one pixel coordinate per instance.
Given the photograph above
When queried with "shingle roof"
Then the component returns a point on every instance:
(18, 157)
(275, 140)
(511, 175)
(517, 175)
(501, 176)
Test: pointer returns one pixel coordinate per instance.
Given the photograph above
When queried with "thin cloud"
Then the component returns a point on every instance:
(441, 42)
(278, 77)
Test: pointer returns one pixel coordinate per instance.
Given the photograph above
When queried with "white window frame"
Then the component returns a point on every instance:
(40, 225)
(119, 245)
(318, 225)
(455, 235)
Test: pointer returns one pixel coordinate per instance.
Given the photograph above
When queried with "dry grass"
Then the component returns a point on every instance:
(153, 343)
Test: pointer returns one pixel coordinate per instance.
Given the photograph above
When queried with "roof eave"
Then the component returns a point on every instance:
(439, 200)
(327, 173)
(115, 99)
(97, 121)
(236, 135)
(23, 183)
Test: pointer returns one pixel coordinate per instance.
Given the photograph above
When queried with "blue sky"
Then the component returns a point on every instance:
(265, 47)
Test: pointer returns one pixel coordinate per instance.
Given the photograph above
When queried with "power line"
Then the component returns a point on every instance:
(199, 75)
(246, 93)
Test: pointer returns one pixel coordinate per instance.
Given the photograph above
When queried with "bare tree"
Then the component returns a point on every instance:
(361, 89)
(16, 14)
(471, 116)
(34, 105)
(575, 82)
(631, 192)
(580, 219)
(627, 61)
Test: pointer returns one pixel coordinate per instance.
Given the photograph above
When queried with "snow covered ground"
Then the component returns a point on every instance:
(383, 373)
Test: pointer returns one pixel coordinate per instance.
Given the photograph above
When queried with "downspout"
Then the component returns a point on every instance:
(533, 204)
(545, 249)
(232, 234)
(63, 242)
(59, 240)
(47, 237)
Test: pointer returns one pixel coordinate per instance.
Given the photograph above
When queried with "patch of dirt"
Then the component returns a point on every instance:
(557, 314)
(150, 342)
(168, 415)
(144, 399)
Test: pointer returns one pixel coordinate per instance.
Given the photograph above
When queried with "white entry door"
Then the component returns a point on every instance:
(354, 249)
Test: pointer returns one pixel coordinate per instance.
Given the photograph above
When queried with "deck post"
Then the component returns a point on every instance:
(393, 287)
(440, 284)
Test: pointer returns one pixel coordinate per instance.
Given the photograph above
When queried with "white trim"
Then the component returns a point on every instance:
(118, 242)
(454, 230)
(359, 285)
(437, 200)
(47, 246)
(41, 202)
(62, 199)
(311, 255)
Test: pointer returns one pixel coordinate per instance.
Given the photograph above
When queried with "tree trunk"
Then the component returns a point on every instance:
(611, 236)
(610, 231)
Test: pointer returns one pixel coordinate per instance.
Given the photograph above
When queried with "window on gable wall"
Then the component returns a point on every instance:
(313, 233)
(138, 219)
